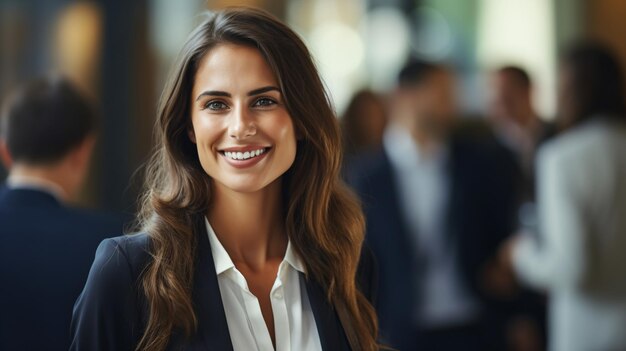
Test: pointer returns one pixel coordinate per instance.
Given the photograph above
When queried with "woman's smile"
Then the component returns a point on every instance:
(244, 157)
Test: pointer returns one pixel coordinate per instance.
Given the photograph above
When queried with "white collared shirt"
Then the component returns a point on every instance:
(294, 323)
(423, 193)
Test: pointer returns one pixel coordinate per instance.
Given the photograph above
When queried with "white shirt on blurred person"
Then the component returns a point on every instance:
(580, 256)
(423, 190)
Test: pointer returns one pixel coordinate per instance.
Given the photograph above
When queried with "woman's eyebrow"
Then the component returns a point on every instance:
(213, 93)
(250, 93)
(263, 90)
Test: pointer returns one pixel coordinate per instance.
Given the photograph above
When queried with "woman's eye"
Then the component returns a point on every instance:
(264, 102)
(215, 105)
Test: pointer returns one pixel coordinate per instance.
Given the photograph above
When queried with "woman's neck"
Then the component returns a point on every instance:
(249, 225)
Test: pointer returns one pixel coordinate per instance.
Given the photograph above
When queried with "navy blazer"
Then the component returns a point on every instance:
(484, 185)
(111, 312)
(46, 250)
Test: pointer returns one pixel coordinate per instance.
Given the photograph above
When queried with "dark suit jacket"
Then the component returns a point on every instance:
(483, 188)
(45, 253)
(111, 312)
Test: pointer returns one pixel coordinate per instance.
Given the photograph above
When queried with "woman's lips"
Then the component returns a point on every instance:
(244, 157)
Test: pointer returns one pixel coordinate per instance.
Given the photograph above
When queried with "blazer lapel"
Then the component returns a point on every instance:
(212, 325)
(331, 333)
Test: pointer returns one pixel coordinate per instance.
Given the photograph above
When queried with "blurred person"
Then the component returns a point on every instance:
(517, 126)
(515, 121)
(47, 133)
(437, 207)
(363, 122)
(250, 241)
(577, 256)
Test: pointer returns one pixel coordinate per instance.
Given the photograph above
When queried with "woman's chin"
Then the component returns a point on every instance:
(245, 185)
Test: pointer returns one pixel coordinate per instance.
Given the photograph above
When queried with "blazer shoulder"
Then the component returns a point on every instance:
(117, 266)
(135, 247)
(127, 252)
(109, 312)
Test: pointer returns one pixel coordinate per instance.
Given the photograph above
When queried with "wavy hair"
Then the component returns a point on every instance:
(323, 219)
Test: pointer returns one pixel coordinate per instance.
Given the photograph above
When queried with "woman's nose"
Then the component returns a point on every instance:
(241, 124)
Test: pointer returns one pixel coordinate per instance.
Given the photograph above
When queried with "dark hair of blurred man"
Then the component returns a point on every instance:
(437, 206)
(47, 134)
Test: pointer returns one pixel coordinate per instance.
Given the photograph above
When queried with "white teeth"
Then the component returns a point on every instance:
(243, 155)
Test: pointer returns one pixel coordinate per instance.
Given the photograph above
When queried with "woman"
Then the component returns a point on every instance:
(250, 240)
(578, 257)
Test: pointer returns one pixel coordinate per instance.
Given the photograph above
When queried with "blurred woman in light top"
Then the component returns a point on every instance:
(579, 256)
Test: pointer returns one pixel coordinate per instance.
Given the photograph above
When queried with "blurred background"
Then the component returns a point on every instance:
(493, 64)
(119, 53)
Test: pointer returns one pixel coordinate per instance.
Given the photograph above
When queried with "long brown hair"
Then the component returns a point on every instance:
(323, 219)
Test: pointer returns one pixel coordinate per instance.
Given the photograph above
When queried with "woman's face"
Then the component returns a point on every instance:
(244, 135)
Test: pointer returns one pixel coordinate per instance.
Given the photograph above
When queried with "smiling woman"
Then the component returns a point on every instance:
(250, 241)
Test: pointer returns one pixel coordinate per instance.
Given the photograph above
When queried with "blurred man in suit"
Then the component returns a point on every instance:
(515, 121)
(47, 135)
(518, 127)
(437, 206)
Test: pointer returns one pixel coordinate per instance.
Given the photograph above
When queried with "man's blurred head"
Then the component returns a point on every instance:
(510, 95)
(425, 99)
(48, 124)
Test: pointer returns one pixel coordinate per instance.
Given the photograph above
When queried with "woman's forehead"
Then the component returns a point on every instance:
(233, 68)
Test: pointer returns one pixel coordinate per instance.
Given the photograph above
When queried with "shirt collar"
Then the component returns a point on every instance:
(35, 183)
(223, 262)
(220, 256)
(293, 259)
